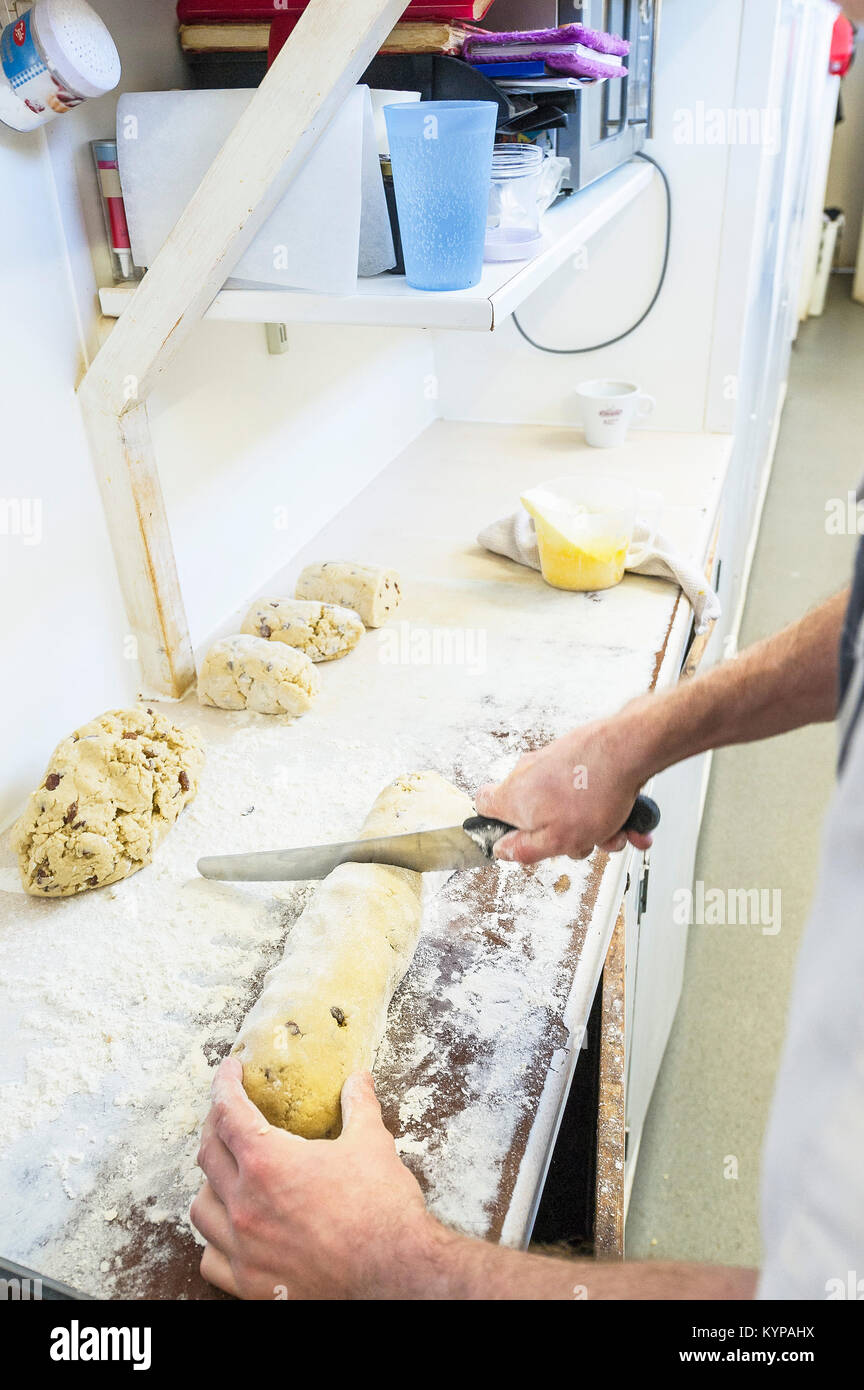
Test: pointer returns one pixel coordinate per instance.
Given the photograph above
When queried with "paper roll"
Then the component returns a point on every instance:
(331, 224)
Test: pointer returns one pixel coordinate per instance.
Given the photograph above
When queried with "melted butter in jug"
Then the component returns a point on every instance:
(570, 557)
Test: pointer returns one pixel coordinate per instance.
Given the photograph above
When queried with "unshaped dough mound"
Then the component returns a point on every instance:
(324, 631)
(111, 793)
(250, 673)
(370, 590)
(323, 1009)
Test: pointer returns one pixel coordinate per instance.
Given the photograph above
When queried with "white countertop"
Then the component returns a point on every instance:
(482, 661)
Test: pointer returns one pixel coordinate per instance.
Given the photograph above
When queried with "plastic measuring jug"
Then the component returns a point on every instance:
(585, 528)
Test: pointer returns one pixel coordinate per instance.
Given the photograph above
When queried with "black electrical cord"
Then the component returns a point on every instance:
(595, 347)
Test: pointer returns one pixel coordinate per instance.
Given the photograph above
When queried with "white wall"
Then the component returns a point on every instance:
(239, 433)
(62, 622)
(256, 452)
(502, 378)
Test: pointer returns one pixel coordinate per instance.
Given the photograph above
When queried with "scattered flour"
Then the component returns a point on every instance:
(115, 1006)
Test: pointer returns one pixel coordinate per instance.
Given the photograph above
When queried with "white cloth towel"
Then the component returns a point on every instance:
(515, 537)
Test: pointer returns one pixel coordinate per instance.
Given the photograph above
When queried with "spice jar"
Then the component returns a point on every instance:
(53, 58)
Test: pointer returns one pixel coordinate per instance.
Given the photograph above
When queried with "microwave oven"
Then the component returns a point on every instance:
(597, 127)
(610, 122)
(603, 125)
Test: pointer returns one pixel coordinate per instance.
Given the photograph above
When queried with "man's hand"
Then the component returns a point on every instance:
(294, 1218)
(577, 792)
(570, 797)
(289, 1218)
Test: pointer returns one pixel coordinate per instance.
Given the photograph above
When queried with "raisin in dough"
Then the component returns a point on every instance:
(111, 793)
(324, 1006)
(370, 590)
(251, 673)
(322, 631)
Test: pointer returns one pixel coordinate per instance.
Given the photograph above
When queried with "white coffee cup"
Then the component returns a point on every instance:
(608, 408)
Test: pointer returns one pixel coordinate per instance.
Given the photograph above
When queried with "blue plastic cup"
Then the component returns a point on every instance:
(441, 153)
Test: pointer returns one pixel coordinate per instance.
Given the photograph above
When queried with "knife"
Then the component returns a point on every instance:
(466, 846)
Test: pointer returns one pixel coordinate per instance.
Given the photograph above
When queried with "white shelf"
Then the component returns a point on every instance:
(387, 300)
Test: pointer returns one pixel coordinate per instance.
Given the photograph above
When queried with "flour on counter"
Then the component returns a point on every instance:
(116, 1005)
(501, 1007)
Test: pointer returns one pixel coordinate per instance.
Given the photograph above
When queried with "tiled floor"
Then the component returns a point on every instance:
(761, 829)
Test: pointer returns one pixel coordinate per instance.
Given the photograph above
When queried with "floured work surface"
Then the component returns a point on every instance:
(116, 1005)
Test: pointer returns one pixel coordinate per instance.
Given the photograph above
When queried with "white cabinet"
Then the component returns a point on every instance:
(660, 929)
(783, 74)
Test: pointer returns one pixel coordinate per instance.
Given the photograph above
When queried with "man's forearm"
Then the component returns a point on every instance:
(456, 1267)
(776, 685)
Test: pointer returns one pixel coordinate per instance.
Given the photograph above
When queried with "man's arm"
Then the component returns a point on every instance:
(781, 683)
(575, 793)
(290, 1218)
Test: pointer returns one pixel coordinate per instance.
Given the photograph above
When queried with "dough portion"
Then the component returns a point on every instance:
(111, 793)
(370, 590)
(323, 1010)
(250, 673)
(322, 631)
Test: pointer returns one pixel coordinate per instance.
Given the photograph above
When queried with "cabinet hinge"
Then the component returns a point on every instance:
(642, 902)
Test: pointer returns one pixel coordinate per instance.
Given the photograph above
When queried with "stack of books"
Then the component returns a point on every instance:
(571, 51)
(241, 27)
(247, 12)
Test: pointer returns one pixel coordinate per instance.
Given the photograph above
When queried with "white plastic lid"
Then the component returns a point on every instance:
(512, 243)
(78, 46)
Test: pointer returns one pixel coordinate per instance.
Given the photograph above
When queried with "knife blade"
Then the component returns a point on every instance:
(466, 846)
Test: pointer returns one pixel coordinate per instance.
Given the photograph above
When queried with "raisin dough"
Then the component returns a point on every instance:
(370, 590)
(323, 631)
(324, 1006)
(251, 673)
(111, 793)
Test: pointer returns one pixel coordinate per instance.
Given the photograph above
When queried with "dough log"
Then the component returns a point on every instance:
(251, 673)
(322, 631)
(111, 793)
(323, 1010)
(370, 590)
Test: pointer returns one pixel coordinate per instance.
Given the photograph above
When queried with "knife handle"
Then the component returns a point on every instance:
(644, 817)
(486, 833)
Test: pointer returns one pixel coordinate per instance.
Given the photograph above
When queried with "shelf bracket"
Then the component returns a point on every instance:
(324, 57)
(277, 338)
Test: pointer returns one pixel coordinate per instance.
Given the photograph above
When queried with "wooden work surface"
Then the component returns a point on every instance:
(484, 1032)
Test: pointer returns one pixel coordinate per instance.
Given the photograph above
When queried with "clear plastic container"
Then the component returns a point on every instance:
(585, 526)
(513, 223)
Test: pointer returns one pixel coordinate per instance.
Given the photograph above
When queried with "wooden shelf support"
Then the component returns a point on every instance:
(324, 57)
